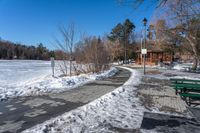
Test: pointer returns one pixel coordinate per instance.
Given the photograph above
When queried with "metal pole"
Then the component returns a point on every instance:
(125, 53)
(52, 71)
(141, 57)
(52, 65)
(144, 62)
(144, 47)
(125, 47)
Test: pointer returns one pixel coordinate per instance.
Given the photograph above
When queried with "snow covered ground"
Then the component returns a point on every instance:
(183, 66)
(28, 77)
(178, 71)
(177, 66)
(117, 110)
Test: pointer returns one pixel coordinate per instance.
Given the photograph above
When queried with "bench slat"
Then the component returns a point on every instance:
(191, 95)
(187, 86)
(183, 80)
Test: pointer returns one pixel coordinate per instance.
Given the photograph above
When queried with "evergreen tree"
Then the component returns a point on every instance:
(121, 33)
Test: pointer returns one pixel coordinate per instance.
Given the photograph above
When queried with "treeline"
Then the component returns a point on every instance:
(92, 50)
(10, 50)
(96, 52)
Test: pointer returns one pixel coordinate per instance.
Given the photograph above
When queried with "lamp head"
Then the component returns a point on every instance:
(145, 21)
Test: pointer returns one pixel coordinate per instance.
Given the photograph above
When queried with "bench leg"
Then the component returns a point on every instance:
(188, 101)
(184, 90)
(184, 98)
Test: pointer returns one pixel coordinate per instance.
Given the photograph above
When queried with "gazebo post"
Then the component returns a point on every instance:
(151, 56)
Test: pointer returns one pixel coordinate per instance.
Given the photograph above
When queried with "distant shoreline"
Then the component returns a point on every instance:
(23, 59)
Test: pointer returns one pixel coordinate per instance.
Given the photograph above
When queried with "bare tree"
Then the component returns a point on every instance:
(115, 49)
(137, 3)
(183, 18)
(93, 53)
(67, 44)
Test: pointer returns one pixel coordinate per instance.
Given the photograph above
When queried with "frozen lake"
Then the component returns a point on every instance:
(14, 73)
(33, 77)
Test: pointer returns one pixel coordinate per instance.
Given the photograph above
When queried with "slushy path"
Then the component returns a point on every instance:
(19, 114)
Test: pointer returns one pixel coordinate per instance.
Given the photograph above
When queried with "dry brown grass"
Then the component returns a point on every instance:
(153, 72)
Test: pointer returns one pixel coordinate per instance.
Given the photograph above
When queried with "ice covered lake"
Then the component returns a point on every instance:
(33, 77)
(17, 72)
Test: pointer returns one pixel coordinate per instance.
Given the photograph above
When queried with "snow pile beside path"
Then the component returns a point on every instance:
(192, 77)
(118, 110)
(52, 84)
(105, 74)
(178, 67)
(182, 66)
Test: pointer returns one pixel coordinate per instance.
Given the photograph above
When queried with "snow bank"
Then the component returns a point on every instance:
(48, 84)
(120, 109)
(182, 66)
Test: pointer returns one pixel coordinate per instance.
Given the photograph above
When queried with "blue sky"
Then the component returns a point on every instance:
(33, 21)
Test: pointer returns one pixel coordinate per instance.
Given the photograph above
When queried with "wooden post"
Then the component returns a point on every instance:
(151, 57)
(139, 59)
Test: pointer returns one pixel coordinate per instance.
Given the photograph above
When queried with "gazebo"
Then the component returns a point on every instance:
(154, 55)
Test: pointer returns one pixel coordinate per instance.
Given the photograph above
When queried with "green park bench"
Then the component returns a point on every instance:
(188, 89)
(189, 97)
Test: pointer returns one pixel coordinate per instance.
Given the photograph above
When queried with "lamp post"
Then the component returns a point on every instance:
(125, 41)
(145, 23)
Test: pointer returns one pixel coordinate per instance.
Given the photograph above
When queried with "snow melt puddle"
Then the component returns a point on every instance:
(49, 84)
(119, 109)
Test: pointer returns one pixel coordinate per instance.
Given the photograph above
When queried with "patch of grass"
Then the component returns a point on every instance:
(153, 72)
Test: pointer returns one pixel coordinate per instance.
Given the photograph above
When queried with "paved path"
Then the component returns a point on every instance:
(22, 113)
(155, 92)
(163, 123)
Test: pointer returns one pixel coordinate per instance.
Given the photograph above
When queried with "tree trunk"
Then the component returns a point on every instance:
(195, 51)
(70, 63)
(195, 63)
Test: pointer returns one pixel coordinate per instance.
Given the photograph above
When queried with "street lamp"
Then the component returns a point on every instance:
(145, 21)
(125, 45)
(145, 50)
